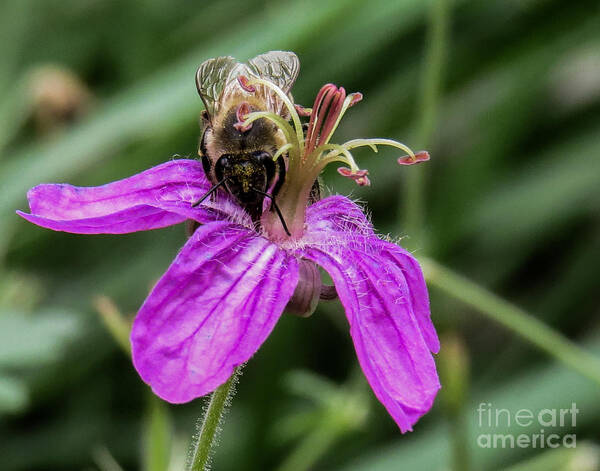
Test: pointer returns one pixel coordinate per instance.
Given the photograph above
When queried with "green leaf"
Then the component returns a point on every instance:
(34, 340)
(14, 395)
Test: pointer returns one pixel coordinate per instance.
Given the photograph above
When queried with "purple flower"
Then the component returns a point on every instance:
(224, 292)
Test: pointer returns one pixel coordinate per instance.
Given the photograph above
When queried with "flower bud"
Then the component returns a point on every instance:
(58, 97)
(306, 296)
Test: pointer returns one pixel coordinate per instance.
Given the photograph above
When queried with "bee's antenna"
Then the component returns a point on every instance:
(272, 198)
(209, 192)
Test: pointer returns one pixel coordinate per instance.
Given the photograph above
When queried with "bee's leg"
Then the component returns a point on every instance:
(203, 153)
(207, 166)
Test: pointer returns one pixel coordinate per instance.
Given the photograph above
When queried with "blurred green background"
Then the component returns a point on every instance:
(505, 94)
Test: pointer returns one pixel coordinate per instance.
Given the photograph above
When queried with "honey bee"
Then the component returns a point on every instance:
(239, 160)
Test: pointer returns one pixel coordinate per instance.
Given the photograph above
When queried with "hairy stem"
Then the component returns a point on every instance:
(203, 445)
(513, 318)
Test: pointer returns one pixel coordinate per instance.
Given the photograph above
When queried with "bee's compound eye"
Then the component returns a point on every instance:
(222, 164)
(261, 155)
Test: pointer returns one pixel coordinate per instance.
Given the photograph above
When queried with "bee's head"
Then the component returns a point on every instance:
(246, 176)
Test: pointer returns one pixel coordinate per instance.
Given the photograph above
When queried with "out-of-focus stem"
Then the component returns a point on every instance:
(459, 437)
(114, 321)
(453, 367)
(158, 432)
(312, 447)
(413, 195)
(219, 400)
(157, 435)
(513, 318)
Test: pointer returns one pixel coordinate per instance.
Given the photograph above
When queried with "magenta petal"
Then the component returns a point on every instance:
(137, 218)
(417, 289)
(336, 220)
(387, 337)
(336, 214)
(211, 310)
(157, 197)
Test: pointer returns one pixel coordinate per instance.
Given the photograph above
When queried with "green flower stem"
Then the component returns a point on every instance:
(213, 416)
(413, 197)
(513, 318)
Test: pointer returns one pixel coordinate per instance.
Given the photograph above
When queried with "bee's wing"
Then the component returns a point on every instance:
(211, 78)
(279, 67)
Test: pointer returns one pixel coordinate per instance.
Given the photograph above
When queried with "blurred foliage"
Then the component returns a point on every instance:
(512, 201)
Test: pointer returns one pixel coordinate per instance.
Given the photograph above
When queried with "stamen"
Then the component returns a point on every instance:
(242, 114)
(338, 154)
(359, 176)
(314, 148)
(311, 131)
(350, 100)
(417, 158)
(356, 97)
(310, 153)
(302, 111)
(337, 150)
(333, 116)
(330, 105)
(324, 98)
(282, 150)
(245, 84)
(352, 144)
(279, 122)
(248, 85)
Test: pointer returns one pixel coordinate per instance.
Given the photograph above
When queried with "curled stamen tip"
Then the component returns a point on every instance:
(359, 176)
(356, 97)
(241, 128)
(419, 157)
(241, 114)
(302, 111)
(245, 83)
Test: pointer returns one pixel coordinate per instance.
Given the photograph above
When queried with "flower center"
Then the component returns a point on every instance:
(309, 153)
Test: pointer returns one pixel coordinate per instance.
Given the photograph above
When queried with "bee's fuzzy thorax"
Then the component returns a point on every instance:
(224, 138)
